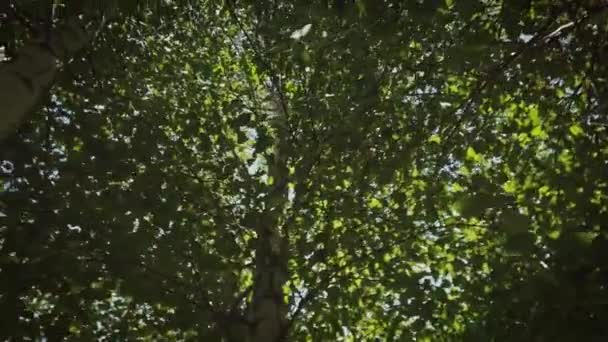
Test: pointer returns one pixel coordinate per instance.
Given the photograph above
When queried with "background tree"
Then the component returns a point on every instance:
(41, 37)
(316, 171)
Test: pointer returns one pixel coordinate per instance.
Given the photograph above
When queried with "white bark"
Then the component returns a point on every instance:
(271, 273)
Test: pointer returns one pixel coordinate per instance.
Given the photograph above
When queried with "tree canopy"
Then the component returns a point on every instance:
(366, 170)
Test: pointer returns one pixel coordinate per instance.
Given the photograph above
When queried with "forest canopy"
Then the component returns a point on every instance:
(346, 170)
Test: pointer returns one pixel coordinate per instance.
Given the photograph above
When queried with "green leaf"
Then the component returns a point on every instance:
(337, 224)
(534, 116)
(374, 203)
(538, 132)
(576, 130)
(472, 155)
(435, 139)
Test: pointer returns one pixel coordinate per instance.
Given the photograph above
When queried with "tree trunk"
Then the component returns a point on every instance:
(269, 310)
(27, 78)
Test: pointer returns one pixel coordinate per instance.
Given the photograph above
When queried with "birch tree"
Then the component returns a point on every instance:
(317, 171)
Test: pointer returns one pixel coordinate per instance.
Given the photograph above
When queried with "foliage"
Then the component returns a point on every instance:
(433, 170)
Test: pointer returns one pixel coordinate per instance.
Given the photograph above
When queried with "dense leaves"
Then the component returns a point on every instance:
(422, 170)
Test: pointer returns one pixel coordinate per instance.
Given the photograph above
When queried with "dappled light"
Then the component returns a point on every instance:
(365, 170)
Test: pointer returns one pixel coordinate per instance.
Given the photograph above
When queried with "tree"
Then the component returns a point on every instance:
(316, 171)
(55, 31)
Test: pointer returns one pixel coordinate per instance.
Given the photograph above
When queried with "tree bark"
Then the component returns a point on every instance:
(26, 79)
(269, 310)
